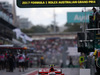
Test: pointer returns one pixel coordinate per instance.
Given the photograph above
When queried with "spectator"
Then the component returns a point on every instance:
(70, 62)
(82, 60)
(2, 61)
(96, 16)
(26, 62)
(11, 62)
(31, 62)
(42, 61)
(21, 61)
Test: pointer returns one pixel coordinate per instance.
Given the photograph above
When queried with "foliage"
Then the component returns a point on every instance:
(51, 28)
(73, 27)
(36, 29)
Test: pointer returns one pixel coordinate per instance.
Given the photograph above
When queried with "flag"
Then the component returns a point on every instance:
(23, 36)
(18, 32)
(28, 38)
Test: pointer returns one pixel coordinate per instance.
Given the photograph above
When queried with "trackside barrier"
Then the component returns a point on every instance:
(84, 71)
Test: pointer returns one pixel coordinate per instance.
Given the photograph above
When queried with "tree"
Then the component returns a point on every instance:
(39, 29)
(73, 27)
(51, 28)
(27, 30)
(36, 29)
(68, 24)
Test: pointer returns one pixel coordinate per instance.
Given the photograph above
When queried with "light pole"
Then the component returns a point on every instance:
(85, 26)
(54, 15)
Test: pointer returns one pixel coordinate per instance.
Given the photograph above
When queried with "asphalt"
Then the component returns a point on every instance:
(34, 71)
(70, 71)
(16, 72)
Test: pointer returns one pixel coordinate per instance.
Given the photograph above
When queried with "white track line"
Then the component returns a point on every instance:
(29, 72)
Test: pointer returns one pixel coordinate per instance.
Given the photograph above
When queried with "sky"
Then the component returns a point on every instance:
(44, 16)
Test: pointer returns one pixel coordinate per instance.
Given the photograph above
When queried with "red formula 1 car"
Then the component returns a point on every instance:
(50, 71)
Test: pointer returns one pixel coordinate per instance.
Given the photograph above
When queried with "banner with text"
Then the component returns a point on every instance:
(78, 17)
(58, 3)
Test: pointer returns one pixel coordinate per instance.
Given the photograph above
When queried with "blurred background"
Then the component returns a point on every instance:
(45, 35)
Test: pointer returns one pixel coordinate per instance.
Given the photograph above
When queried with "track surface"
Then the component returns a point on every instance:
(34, 71)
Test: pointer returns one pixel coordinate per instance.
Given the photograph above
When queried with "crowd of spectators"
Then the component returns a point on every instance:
(5, 14)
(10, 61)
(52, 48)
(51, 44)
(5, 11)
